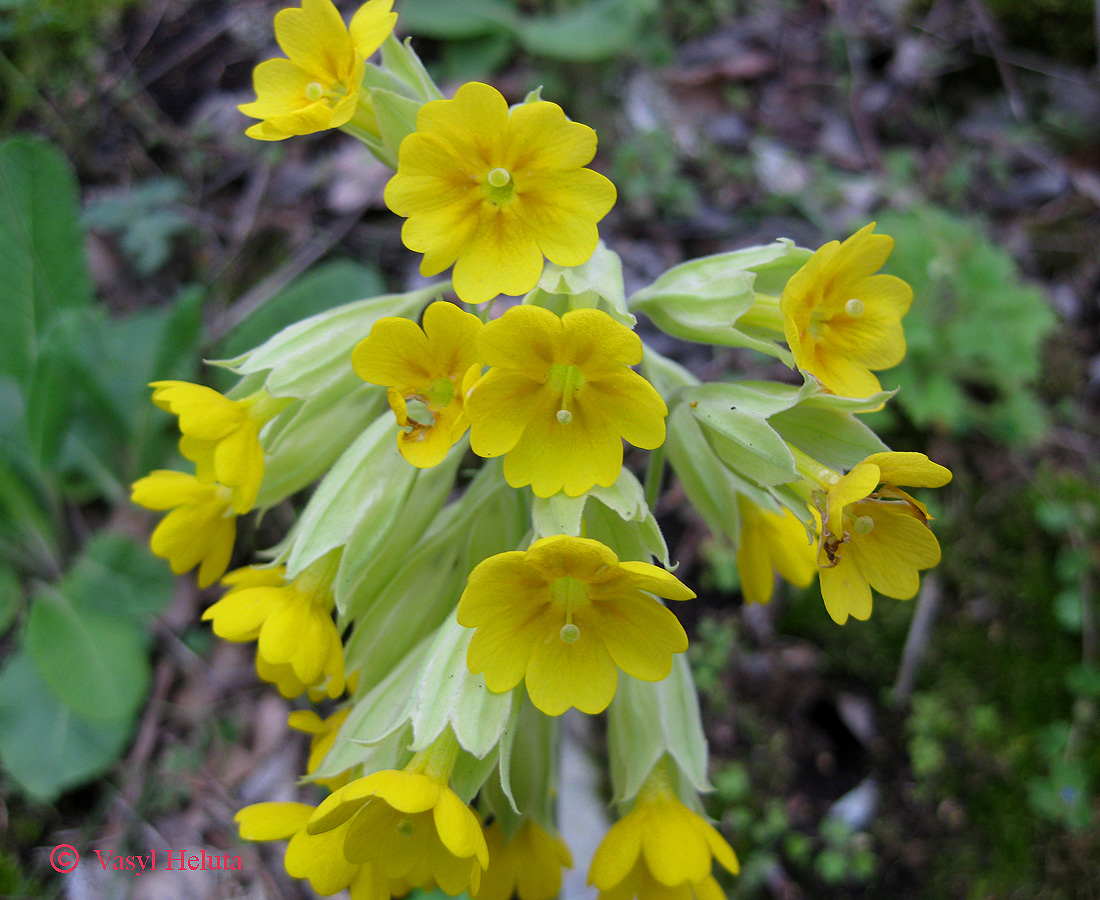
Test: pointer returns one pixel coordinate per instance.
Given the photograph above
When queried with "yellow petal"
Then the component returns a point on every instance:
(497, 584)
(580, 674)
(272, 821)
(526, 339)
(315, 39)
(845, 592)
(407, 792)
(910, 469)
(395, 354)
(371, 25)
(754, 564)
(502, 257)
(458, 828)
(639, 633)
(319, 858)
(580, 558)
(544, 139)
(642, 576)
(165, 489)
(280, 88)
(616, 854)
(856, 485)
(674, 851)
(451, 337)
(562, 209)
(598, 344)
(499, 407)
(629, 404)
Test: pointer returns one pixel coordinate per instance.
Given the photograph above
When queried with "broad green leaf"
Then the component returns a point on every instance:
(596, 30)
(116, 577)
(44, 745)
(94, 663)
(833, 437)
(456, 19)
(41, 248)
(11, 596)
(746, 443)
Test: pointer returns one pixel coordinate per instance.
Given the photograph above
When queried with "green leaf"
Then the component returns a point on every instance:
(456, 19)
(11, 596)
(598, 30)
(93, 663)
(117, 577)
(44, 745)
(41, 248)
(746, 443)
(319, 290)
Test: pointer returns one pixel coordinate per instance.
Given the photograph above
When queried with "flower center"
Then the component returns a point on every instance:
(854, 308)
(569, 633)
(568, 380)
(315, 91)
(565, 416)
(441, 392)
(405, 828)
(864, 525)
(499, 186)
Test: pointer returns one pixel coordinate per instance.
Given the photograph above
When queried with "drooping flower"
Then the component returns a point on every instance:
(323, 734)
(874, 535)
(199, 530)
(493, 190)
(772, 542)
(560, 397)
(565, 615)
(317, 858)
(427, 372)
(841, 320)
(291, 622)
(660, 850)
(528, 866)
(319, 86)
(409, 826)
(220, 436)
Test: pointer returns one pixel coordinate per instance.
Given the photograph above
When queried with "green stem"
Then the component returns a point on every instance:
(764, 314)
(653, 473)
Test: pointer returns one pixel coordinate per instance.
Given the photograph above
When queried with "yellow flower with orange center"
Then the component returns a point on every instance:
(559, 399)
(565, 615)
(492, 190)
(841, 320)
(319, 86)
(874, 535)
(427, 371)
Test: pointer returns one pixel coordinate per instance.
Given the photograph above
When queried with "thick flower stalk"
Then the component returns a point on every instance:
(221, 436)
(320, 85)
(772, 542)
(559, 399)
(874, 535)
(564, 616)
(528, 866)
(660, 850)
(427, 372)
(291, 623)
(841, 320)
(492, 190)
(408, 825)
(199, 530)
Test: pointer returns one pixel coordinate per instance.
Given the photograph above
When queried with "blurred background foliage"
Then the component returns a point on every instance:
(946, 748)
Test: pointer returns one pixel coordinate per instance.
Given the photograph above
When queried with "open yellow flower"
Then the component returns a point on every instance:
(427, 372)
(660, 850)
(874, 535)
(528, 866)
(409, 826)
(317, 858)
(491, 190)
(323, 734)
(319, 86)
(560, 397)
(772, 542)
(291, 622)
(220, 436)
(565, 615)
(841, 320)
(199, 530)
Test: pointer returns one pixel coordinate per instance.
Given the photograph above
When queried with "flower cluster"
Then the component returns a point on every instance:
(476, 559)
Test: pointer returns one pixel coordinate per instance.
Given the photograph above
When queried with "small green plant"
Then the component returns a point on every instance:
(974, 332)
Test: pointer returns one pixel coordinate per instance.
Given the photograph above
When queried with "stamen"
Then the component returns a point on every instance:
(569, 633)
(565, 416)
(854, 308)
(499, 177)
(315, 91)
(864, 525)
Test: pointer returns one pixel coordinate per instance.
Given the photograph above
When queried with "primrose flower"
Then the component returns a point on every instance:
(874, 535)
(427, 372)
(529, 865)
(408, 826)
(220, 436)
(292, 623)
(565, 615)
(560, 397)
(491, 190)
(660, 850)
(772, 542)
(199, 530)
(320, 85)
(318, 858)
(322, 738)
(841, 320)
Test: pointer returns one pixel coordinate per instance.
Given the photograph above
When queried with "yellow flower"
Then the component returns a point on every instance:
(772, 542)
(319, 86)
(323, 734)
(220, 436)
(292, 623)
(841, 320)
(318, 858)
(426, 368)
(200, 529)
(410, 827)
(529, 865)
(875, 535)
(565, 615)
(492, 190)
(560, 398)
(660, 850)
